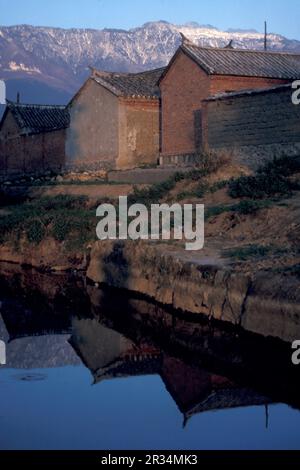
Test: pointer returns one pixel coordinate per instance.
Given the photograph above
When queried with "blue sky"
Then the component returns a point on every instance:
(282, 15)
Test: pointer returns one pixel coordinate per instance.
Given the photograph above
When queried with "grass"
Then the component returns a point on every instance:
(152, 194)
(254, 251)
(201, 189)
(155, 193)
(67, 218)
(219, 185)
(251, 207)
(243, 207)
(61, 217)
(198, 192)
(216, 210)
(294, 270)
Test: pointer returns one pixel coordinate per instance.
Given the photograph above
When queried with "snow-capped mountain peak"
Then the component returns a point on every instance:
(59, 58)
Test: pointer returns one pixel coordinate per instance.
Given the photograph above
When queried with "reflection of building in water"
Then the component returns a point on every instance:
(34, 349)
(195, 390)
(108, 355)
(41, 341)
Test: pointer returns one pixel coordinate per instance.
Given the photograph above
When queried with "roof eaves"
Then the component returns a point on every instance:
(28, 131)
(140, 97)
(78, 92)
(248, 92)
(167, 68)
(108, 86)
(4, 116)
(187, 50)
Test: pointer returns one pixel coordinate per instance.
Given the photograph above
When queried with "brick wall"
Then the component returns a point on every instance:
(221, 83)
(31, 154)
(182, 91)
(254, 127)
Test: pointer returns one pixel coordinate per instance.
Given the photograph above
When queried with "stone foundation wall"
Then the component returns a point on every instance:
(189, 159)
(255, 156)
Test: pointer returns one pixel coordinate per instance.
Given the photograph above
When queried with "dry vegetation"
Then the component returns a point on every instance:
(252, 220)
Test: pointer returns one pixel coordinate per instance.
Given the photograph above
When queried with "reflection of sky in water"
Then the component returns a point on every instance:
(48, 400)
(64, 411)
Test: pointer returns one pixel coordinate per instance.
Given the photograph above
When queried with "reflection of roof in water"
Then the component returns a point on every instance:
(229, 398)
(108, 355)
(4, 335)
(21, 323)
(129, 367)
(39, 352)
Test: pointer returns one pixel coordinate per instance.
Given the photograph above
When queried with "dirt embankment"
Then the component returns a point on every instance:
(258, 302)
(247, 274)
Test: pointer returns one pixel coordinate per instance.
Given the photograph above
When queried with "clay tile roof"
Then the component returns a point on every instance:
(248, 92)
(246, 63)
(35, 119)
(142, 85)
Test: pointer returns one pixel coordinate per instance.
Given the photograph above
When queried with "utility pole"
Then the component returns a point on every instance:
(266, 37)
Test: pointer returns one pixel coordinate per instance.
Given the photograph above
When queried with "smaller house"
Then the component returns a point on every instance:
(32, 138)
(115, 121)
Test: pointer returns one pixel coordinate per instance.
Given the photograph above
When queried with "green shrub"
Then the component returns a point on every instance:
(260, 186)
(153, 194)
(216, 210)
(61, 202)
(269, 180)
(295, 270)
(35, 231)
(61, 227)
(257, 251)
(285, 166)
(219, 185)
(248, 207)
(250, 251)
(197, 192)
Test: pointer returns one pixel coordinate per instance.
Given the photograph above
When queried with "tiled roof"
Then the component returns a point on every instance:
(245, 63)
(249, 92)
(229, 398)
(134, 85)
(35, 119)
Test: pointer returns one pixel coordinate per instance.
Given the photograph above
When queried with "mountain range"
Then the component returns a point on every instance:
(49, 64)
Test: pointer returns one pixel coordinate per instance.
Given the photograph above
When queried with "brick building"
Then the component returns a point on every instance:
(196, 73)
(32, 139)
(115, 121)
(127, 120)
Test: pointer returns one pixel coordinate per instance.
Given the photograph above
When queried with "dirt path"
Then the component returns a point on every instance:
(96, 191)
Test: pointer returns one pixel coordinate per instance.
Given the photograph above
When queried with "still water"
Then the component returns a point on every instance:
(95, 369)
